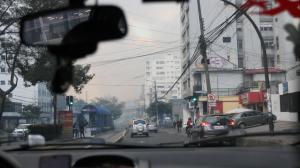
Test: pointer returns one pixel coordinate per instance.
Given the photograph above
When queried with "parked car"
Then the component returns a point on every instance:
(212, 125)
(249, 118)
(139, 127)
(21, 131)
(152, 127)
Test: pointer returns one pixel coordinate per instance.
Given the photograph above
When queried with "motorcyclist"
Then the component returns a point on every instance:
(189, 125)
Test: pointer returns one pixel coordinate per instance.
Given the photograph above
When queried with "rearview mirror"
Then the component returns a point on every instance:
(73, 26)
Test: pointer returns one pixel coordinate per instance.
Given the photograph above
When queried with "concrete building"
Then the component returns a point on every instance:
(163, 71)
(236, 57)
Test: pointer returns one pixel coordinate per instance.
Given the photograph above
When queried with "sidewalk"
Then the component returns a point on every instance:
(278, 126)
(272, 140)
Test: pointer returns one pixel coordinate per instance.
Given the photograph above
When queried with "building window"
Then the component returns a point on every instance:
(160, 73)
(278, 59)
(160, 87)
(226, 39)
(277, 43)
(240, 62)
(2, 82)
(240, 44)
(2, 57)
(159, 67)
(271, 61)
(269, 44)
(239, 29)
(2, 69)
(160, 62)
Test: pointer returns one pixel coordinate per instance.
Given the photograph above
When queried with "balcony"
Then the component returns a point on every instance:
(225, 91)
(250, 86)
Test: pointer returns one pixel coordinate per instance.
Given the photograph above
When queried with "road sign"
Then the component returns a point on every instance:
(212, 99)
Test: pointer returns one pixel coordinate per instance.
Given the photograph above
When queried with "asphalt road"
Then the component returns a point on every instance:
(163, 136)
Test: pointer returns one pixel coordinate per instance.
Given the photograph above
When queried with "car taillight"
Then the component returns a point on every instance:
(204, 124)
(231, 122)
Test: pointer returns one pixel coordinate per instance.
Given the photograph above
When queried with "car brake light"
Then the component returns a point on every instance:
(231, 122)
(204, 124)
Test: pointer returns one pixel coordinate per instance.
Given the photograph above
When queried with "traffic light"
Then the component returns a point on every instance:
(194, 99)
(69, 100)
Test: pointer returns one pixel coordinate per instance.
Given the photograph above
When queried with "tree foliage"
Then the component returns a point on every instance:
(31, 113)
(163, 109)
(112, 104)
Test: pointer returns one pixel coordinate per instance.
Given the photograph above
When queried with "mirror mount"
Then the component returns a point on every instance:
(76, 3)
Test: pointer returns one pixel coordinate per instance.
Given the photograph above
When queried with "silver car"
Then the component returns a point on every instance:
(139, 127)
(152, 127)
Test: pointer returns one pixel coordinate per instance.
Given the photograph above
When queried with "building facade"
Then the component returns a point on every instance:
(236, 62)
(161, 72)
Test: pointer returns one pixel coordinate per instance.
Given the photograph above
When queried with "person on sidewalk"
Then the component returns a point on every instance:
(81, 130)
(75, 130)
(174, 124)
(179, 125)
(271, 123)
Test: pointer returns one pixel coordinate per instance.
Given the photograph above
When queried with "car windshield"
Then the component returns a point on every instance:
(179, 64)
(139, 122)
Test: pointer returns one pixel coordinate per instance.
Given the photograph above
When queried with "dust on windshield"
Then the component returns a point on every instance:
(178, 64)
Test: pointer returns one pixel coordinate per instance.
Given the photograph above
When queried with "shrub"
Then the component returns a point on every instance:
(49, 131)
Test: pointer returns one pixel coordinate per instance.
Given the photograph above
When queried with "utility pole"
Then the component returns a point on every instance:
(203, 47)
(156, 105)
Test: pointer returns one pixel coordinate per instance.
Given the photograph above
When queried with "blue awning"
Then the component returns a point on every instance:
(94, 109)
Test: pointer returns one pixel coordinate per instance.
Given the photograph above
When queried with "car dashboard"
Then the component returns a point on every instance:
(274, 156)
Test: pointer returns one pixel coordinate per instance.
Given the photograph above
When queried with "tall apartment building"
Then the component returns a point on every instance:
(163, 71)
(236, 65)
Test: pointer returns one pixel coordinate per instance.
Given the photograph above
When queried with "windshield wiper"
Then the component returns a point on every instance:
(232, 138)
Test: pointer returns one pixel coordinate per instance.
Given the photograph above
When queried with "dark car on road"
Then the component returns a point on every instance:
(249, 118)
(212, 125)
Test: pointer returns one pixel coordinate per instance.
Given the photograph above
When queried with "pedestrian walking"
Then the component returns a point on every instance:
(81, 130)
(75, 130)
(271, 123)
(179, 125)
(174, 124)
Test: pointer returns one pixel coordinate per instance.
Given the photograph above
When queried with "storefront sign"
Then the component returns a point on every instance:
(252, 97)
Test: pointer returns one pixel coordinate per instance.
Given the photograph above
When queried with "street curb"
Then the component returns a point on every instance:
(119, 137)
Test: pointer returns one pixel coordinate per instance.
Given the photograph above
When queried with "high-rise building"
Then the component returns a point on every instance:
(236, 62)
(162, 71)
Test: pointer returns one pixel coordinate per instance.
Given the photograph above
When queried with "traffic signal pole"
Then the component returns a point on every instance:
(203, 47)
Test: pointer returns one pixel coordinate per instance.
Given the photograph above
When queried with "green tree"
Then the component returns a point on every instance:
(16, 55)
(162, 107)
(43, 71)
(112, 104)
(31, 113)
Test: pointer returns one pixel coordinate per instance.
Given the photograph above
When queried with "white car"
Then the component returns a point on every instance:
(139, 127)
(21, 131)
(152, 127)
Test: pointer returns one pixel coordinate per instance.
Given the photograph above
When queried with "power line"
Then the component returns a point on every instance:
(101, 63)
(212, 36)
(154, 30)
